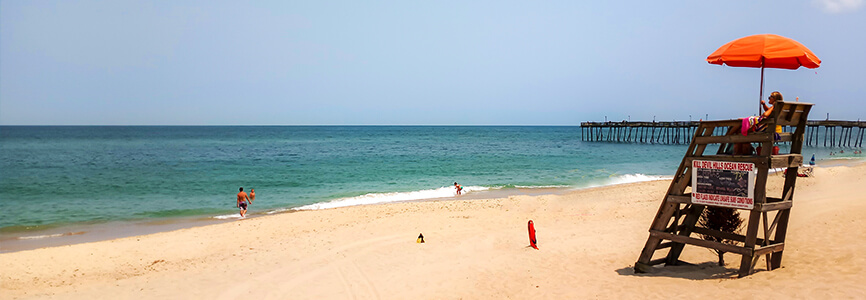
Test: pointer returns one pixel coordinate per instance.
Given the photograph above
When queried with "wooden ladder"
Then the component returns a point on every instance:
(677, 218)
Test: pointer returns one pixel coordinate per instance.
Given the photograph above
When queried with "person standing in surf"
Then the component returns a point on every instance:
(252, 195)
(242, 202)
(458, 187)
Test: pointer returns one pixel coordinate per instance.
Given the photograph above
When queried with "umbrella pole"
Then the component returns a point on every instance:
(761, 96)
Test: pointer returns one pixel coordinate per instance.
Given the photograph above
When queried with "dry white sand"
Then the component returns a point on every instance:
(588, 240)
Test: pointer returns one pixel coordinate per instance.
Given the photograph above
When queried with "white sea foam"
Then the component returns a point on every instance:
(541, 186)
(627, 178)
(377, 198)
(228, 217)
(279, 210)
(845, 158)
(443, 192)
(632, 178)
(35, 237)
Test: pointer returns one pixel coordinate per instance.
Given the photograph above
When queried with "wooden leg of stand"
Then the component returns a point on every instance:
(751, 238)
(766, 239)
(642, 265)
(660, 223)
(781, 232)
(688, 226)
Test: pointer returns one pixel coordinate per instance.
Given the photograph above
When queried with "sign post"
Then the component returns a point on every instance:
(724, 184)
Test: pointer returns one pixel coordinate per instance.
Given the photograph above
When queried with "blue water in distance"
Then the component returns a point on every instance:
(54, 175)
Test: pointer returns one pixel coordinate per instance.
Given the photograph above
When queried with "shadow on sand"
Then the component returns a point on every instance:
(702, 271)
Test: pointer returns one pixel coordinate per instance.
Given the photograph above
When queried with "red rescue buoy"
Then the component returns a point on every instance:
(532, 241)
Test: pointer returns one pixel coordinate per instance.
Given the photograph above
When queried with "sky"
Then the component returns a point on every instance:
(413, 62)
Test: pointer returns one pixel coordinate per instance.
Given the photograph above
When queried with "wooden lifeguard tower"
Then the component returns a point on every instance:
(724, 179)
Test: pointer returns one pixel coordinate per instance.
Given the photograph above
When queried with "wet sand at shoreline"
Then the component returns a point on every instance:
(87, 233)
(588, 239)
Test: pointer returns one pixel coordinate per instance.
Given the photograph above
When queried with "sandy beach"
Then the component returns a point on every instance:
(588, 242)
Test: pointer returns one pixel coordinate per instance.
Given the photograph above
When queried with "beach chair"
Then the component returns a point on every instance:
(809, 171)
(677, 218)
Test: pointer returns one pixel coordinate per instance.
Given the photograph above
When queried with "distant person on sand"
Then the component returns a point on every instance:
(458, 187)
(242, 202)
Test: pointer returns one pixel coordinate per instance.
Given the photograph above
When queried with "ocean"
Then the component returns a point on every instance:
(56, 177)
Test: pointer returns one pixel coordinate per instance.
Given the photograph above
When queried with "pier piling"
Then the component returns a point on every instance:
(850, 133)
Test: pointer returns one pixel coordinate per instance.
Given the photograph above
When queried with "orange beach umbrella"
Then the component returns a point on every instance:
(765, 51)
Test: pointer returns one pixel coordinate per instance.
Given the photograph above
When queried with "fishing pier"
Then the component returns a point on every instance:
(826, 133)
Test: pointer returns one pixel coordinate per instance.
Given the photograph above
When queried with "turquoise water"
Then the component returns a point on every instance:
(57, 176)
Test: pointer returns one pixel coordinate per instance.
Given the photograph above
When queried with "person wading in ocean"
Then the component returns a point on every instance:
(242, 202)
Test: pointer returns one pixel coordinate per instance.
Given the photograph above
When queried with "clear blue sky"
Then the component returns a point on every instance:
(412, 62)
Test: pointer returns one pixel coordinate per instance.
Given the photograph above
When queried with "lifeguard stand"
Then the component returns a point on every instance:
(723, 173)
